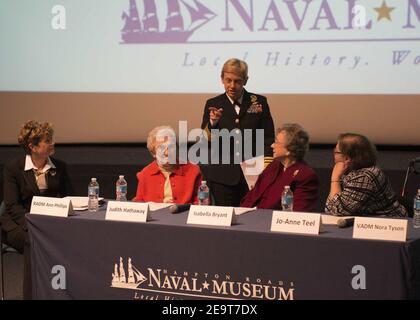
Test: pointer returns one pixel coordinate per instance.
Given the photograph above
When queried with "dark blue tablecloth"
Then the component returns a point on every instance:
(168, 259)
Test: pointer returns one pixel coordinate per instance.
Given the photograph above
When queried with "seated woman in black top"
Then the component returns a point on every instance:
(32, 174)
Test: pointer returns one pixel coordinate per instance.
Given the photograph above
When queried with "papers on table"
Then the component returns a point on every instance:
(80, 203)
(154, 206)
(331, 219)
(239, 211)
(251, 169)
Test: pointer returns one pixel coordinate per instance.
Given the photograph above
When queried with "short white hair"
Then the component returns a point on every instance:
(159, 134)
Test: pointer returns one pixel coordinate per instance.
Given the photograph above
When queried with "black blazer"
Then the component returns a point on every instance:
(230, 174)
(20, 186)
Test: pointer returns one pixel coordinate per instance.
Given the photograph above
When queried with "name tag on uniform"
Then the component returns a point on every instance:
(127, 211)
(56, 207)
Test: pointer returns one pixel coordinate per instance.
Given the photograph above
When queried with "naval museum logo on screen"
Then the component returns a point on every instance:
(269, 21)
(165, 284)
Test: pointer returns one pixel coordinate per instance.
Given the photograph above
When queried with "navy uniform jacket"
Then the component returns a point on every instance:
(20, 186)
(254, 114)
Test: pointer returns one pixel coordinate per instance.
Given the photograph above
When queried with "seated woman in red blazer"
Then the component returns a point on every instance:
(165, 179)
(287, 169)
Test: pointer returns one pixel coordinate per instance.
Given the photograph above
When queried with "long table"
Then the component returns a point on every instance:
(87, 257)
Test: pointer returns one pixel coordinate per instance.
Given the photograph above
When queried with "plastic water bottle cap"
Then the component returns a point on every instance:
(121, 177)
(203, 182)
(93, 180)
(287, 187)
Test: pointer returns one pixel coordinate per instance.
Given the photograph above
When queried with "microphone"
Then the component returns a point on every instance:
(412, 168)
(177, 208)
(345, 223)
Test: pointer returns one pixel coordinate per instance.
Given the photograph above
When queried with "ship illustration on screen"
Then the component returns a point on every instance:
(177, 28)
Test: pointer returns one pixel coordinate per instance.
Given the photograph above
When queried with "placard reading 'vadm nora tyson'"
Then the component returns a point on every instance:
(380, 229)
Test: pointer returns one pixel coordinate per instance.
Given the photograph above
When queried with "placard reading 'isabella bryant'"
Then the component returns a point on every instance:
(211, 215)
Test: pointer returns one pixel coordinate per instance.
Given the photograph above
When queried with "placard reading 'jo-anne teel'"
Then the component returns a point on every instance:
(56, 207)
(127, 211)
(296, 222)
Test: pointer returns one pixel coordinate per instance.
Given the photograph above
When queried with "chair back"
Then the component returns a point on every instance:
(3, 246)
(2, 208)
(407, 203)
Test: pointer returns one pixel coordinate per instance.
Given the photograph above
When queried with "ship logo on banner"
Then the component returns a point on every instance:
(133, 279)
(147, 28)
(165, 284)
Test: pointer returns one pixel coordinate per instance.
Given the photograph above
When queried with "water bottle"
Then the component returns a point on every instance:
(287, 199)
(416, 216)
(93, 195)
(203, 194)
(121, 189)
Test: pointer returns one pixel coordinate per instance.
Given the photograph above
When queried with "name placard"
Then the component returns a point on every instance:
(380, 229)
(127, 211)
(211, 215)
(56, 207)
(296, 222)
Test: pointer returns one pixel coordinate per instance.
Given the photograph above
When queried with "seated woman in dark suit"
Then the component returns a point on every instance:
(287, 169)
(166, 180)
(358, 186)
(32, 174)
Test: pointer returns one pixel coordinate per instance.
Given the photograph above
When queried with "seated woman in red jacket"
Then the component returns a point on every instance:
(165, 179)
(287, 169)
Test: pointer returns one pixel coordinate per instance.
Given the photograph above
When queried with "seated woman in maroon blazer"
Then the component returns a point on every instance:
(165, 179)
(287, 169)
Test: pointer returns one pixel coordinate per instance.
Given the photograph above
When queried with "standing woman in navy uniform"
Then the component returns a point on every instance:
(235, 110)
